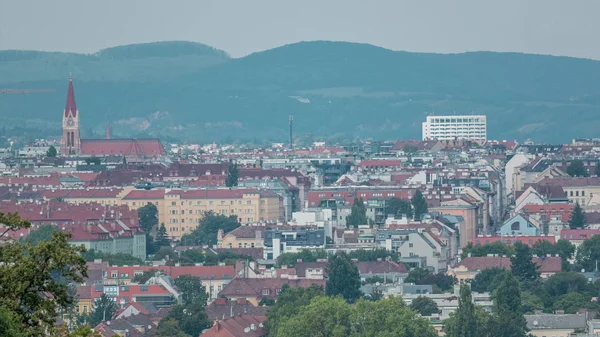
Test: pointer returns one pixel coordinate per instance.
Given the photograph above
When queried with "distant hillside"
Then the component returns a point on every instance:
(334, 89)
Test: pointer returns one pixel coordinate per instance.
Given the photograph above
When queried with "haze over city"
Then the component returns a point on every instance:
(299, 169)
(241, 27)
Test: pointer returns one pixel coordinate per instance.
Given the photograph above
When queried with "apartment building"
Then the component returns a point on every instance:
(463, 127)
(277, 242)
(181, 210)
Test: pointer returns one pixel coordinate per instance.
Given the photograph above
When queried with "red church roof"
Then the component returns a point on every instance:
(126, 147)
(71, 106)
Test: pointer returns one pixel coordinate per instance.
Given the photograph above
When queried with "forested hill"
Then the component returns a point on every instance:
(334, 89)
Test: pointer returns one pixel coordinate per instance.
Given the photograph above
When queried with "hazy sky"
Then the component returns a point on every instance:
(559, 27)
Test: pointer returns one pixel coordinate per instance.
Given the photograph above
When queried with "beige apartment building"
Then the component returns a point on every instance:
(181, 210)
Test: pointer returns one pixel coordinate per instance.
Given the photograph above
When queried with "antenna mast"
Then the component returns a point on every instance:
(291, 134)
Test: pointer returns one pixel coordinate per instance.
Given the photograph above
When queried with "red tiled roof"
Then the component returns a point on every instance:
(245, 287)
(510, 240)
(204, 272)
(560, 209)
(546, 264)
(145, 194)
(380, 163)
(237, 326)
(126, 147)
(578, 234)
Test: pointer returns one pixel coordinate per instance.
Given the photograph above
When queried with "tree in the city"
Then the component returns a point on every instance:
(103, 310)
(36, 281)
(51, 152)
(577, 219)
(419, 204)
(232, 175)
(343, 278)
(577, 169)
(358, 214)
(424, 306)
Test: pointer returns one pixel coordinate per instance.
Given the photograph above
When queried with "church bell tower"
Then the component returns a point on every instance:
(71, 141)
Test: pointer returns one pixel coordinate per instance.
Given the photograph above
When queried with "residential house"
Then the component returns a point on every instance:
(468, 268)
(242, 237)
(557, 325)
(222, 308)
(280, 241)
(578, 236)
(240, 325)
(254, 290)
(518, 225)
(512, 239)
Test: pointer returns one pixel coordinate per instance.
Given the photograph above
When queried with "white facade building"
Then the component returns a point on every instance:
(464, 127)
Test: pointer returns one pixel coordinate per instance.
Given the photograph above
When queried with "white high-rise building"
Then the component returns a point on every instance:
(467, 127)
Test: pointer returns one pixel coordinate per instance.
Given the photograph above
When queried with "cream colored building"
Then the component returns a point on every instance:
(181, 210)
(242, 237)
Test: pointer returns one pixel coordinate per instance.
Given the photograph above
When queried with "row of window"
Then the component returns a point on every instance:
(211, 202)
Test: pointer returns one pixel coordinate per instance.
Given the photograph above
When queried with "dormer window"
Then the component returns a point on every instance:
(266, 292)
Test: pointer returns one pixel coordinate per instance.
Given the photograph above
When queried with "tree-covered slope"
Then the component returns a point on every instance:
(195, 92)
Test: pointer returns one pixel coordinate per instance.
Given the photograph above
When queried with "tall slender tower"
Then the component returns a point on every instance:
(291, 134)
(71, 140)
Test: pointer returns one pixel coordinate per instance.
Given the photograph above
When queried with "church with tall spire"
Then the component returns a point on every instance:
(71, 140)
(133, 149)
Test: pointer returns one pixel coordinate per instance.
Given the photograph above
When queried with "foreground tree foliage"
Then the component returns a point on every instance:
(508, 310)
(333, 316)
(289, 303)
(398, 206)
(34, 280)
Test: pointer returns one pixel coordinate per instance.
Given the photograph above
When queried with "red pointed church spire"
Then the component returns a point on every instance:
(71, 106)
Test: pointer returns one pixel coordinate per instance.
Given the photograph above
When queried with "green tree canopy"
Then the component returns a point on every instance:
(43, 233)
(289, 303)
(324, 316)
(483, 324)
(572, 302)
(51, 152)
(191, 289)
(232, 175)
(487, 280)
(343, 278)
(577, 169)
(398, 206)
(103, 310)
(290, 259)
(358, 214)
(424, 306)
(577, 219)
(497, 247)
(373, 255)
(170, 328)
(508, 309)
(191, 318)
(148, 216)
(522, 264)
(332, 316)
(206, 232)
(419, 204)
(34, 279)
(589, 252)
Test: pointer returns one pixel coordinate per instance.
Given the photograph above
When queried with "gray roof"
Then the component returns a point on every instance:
(552, 321)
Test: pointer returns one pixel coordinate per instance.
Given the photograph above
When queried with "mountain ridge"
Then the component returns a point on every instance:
(333, 88)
